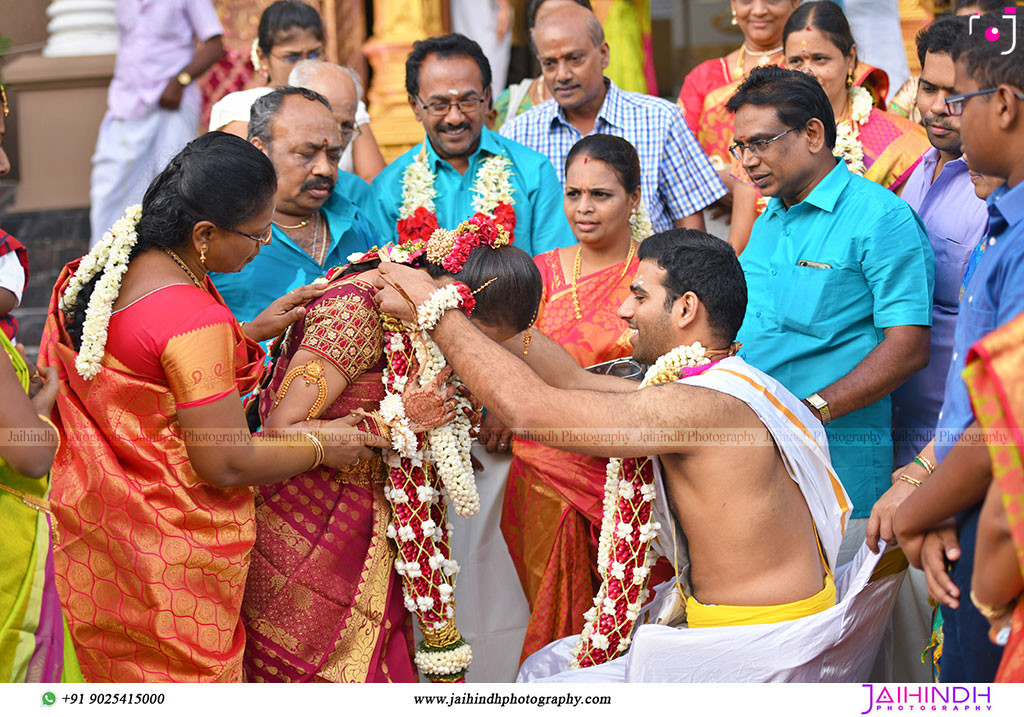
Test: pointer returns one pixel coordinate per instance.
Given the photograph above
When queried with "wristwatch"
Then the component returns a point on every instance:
(821, 406)
(184, 79)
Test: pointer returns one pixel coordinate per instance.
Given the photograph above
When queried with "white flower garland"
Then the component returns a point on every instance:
(848, 145)
(446, 662)
(619, 487)
(441, 300)
(640, 226)
(491, 186)
(110, 256)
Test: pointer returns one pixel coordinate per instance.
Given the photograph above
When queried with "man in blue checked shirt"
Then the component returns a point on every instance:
(677, 180)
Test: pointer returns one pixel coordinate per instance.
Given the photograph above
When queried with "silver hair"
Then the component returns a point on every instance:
(305, 72)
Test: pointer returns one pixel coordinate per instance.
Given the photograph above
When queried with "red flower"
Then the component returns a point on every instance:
(505, 215)
(419, 226)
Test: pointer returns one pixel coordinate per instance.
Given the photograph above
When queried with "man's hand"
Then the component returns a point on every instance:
(170, 99)
(284, 312)
(940, 545)
(345, 445)
(494, 436)
(880, 522)
(401, 289)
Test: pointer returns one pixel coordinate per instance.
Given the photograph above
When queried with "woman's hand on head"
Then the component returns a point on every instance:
(283, 312)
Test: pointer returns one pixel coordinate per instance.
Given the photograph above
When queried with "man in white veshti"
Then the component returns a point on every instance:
(763, 518)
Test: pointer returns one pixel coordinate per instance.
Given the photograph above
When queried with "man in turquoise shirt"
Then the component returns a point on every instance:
(448, 80)
(839, 274)
(317, 222)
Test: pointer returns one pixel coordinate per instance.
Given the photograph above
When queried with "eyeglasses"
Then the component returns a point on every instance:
(262, 239)
(349, 133)
(466, 106)
(758, 147)
(955, 104)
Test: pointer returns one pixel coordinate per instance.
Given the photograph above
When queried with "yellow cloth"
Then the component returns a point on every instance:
(700, 615)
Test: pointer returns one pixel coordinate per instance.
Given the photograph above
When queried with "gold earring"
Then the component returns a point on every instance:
(202, 256)
(527, 338)
(849, 79)
(733, 21)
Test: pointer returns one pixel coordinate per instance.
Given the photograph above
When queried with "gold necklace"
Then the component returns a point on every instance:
(765, 56)
(577, 264)
(324, 240)
(184, 266)
(300, 225)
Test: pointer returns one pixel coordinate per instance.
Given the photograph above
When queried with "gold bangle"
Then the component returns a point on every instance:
(925, 463)
(907, 479)
(51, 424)
(318, 450)
(989, 612)
(312, 372)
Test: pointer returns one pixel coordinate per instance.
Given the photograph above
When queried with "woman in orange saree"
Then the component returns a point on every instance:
(876, 144)
(709, 85)
(151, 485)
(553, 498)
(995, 376)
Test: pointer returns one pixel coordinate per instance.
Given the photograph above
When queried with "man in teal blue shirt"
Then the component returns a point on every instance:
(839, 274)
(448, 80)
(317, 223)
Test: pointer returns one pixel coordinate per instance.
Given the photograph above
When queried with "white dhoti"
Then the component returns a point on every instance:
(492, 609)
(129, 154)
(836, 645)
(478, 20)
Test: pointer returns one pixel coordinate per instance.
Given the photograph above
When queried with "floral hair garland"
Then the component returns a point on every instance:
(624, 558)
(492, 190)
(848, 145)
(110, 259)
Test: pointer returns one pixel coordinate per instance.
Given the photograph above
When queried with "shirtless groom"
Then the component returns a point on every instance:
(753, 513)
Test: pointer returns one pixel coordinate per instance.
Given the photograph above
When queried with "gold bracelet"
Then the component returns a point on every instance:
(318, 450)
(312, 372)
(989, 612)
(907, 479)
(47, 421)
(925, 463)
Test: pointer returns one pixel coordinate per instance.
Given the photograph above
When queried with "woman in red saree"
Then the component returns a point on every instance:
(709, 85)
(995, 377)
(553, 498)
(151, 485)
(324, 602)
(876, 144)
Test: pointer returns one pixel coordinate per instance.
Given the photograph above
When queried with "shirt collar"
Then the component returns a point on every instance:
(1009, 203)
(612, 110)
(488, 143)
(931, 158)
(825, 193)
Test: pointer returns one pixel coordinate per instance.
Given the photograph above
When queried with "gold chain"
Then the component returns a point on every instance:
(300, 225)
(184, 266)
(576, 275)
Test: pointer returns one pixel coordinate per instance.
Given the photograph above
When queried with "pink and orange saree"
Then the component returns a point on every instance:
(995, 378)
(151, 560)
(323, 602)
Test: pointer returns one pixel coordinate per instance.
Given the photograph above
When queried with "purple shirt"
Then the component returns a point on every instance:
(157, 41)
(956, 221)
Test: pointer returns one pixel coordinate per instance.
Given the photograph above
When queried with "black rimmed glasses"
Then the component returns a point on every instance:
(467, 106)
(955, 104)
(759, 147)
(261, 239)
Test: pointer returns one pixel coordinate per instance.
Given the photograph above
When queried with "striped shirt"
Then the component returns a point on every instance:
(676, 177)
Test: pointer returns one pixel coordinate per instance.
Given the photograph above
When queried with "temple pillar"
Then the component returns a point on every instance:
(81, 27)
(397, 24)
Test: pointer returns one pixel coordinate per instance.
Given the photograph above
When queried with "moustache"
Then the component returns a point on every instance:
(936, 123)
(453, 127)
(320, 183)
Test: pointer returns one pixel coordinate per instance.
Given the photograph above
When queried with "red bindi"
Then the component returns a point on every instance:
(586, 159)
